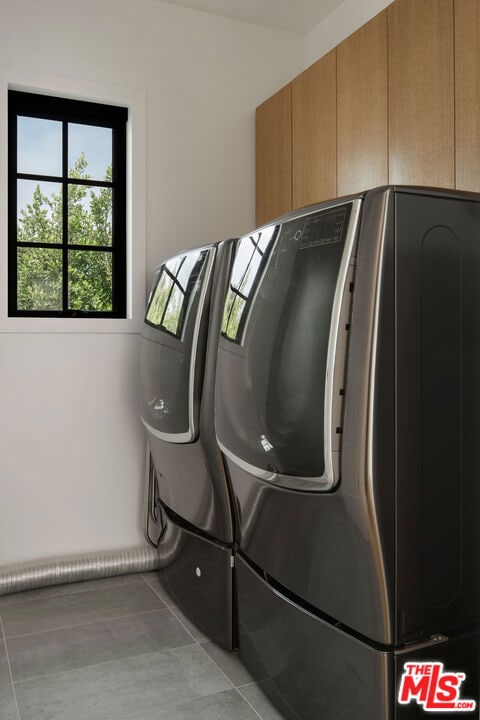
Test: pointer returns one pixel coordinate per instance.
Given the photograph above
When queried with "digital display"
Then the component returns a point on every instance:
(324, 228)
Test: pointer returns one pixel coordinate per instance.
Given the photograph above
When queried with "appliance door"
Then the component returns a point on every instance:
(279, 416)
(173, 347)
(281, 361)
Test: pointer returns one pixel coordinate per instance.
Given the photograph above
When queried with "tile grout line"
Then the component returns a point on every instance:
(166, 607)
(252, 682)
(248, 701)
(9, 668)
(71, 587)
(172, 610)
(200, 645)
(98, 664)
(171, 704)
(82, 624)
(218, 666)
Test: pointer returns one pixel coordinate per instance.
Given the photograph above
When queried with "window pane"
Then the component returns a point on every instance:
(89, 281)
(174, 264)
(251, 271)
(235, 318)
(247, 261)
(159, 300)
(178, 281)
(264, 237)
(89, 152)
(251, 255)
(39, 146)
(243, 255)
(39, 211)
(89, 215)
(173, 311)
(39, 279)
(228, 309)
(185, 274)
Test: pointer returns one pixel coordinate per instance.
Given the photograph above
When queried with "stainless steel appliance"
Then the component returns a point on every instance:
(177, 369)
(348, 411)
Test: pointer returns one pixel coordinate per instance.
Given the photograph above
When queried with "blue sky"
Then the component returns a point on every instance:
(39, 145)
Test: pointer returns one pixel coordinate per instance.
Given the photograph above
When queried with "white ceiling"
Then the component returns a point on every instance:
(298, 16)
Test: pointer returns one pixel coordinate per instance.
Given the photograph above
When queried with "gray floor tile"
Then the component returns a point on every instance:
(258, 699)
(155, 581)
(69, 588)
(230, 663)
(84, 645)
(42, 614)
(227, 705)
(4, 671)
(8, 708)
(195, 631)
(121, 688)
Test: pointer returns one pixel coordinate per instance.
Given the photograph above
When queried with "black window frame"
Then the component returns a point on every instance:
(25, 104)
(186, 292)
(234, 293)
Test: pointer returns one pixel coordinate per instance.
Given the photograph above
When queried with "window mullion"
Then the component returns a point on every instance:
(65, 216)
(12, 212)
(119, 200)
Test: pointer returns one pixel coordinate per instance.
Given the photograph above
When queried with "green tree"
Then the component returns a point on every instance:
(39, 269)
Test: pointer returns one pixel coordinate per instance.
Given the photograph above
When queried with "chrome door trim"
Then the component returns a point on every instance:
(292, 482)
(192, 430)
(332, 473)
(168, 437)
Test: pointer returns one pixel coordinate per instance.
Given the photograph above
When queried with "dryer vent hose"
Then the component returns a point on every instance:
(90, 566)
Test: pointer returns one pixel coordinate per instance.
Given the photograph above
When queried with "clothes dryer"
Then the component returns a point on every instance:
(177, 370)
(348, 411)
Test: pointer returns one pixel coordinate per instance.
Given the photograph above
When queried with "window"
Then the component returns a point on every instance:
(251, 256)
(169, 301)
(67, 208)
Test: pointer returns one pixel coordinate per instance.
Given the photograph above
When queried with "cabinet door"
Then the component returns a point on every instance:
(362, 135)
(274, 156)
(421, 92)
(314, 120)
(467, 91)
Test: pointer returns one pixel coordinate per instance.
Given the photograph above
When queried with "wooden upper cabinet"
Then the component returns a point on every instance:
(314, 133)
(467, 92)
(274, 156)
(421, 92)
(362, 107)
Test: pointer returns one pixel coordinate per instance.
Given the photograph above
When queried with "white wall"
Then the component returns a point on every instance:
(341, 23)
(71, 448)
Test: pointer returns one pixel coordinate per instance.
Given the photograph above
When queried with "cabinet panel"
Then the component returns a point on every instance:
(421, 92)
(274, 156)
(362, 130)
(314, 132)
(467, 91)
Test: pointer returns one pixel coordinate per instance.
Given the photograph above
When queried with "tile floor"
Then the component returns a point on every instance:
(116, 649)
